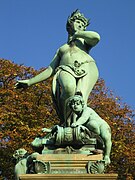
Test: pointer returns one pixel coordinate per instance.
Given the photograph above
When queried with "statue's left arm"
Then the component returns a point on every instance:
(83, 118)
(91, 38)
(47, 73)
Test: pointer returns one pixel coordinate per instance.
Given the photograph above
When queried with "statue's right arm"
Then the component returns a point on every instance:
(42, 76)
(84, 117)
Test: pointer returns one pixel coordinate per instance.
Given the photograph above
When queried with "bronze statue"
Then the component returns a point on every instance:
(87, 117)
(73, 68)
(74, 74)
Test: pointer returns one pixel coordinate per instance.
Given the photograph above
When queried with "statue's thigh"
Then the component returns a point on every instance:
(85, 85)
(67, 81)
(93, 126)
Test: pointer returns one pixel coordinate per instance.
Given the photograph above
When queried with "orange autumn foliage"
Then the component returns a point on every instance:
(23, 113)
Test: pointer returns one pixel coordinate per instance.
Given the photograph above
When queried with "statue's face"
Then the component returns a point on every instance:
(76, 105)
(78, 25)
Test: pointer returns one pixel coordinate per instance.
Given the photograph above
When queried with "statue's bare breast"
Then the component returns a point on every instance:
(70, 54)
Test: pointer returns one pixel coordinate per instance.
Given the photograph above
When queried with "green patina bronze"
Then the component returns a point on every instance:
(74, 70)
(24, 162)
(81, 129)
(91, 120)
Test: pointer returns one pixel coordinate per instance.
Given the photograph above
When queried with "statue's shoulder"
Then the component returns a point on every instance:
(63, 48)
(90, 110)
(86, 110)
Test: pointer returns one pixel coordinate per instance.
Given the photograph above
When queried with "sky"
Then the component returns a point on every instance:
(31, 31)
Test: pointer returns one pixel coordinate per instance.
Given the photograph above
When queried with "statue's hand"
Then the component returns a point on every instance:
(73, 125)
(22, 84)
(75, 35)
(107, 160)
(47, 130)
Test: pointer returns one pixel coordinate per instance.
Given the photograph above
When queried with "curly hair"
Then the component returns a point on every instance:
(76, 98)
(76, 15)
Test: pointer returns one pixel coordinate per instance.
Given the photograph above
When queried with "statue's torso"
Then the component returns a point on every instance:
(69, 54)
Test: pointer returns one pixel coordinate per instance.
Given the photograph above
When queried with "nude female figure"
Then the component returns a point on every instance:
(74, 70)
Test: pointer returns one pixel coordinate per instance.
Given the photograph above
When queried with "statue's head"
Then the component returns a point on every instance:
(76, 103)
(76, 15)
(20, 153)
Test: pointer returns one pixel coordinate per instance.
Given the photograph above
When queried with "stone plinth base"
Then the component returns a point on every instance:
(69, 157)
(67, 167)
(68, 176)
(68, 163)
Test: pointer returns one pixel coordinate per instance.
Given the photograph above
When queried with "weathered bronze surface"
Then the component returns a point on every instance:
(81, 143)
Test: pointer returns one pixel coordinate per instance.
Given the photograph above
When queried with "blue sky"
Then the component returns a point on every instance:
(32, 30)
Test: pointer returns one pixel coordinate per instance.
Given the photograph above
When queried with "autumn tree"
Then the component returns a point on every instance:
(24, 112)
(121, 119)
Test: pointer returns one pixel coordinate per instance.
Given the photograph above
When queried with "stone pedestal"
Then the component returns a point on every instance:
(69, 176)
(68, 163)
(68, 167)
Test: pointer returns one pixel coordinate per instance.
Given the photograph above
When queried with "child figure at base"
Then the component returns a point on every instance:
(90, 119)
